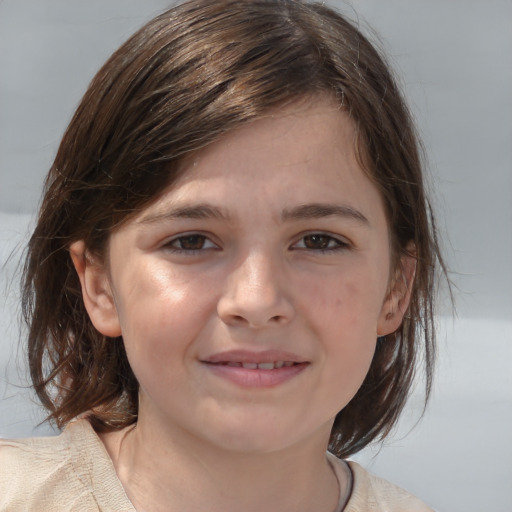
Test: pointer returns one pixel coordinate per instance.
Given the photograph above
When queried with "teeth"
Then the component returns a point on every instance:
(263, 366)
(266, 366)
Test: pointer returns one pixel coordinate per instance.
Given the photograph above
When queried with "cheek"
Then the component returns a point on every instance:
(345, 319)
(158, 313)
(349, 301)
(349, 345)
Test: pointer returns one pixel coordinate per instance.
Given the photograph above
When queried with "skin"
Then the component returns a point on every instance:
(273, 239)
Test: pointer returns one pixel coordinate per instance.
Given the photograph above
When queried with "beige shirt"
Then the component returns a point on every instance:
(73, 472)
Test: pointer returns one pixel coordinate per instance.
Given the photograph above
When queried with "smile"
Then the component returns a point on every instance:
(255, 370)
(259, 366)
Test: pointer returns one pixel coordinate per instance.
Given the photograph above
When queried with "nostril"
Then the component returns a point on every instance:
(239, 319)
(253, 321)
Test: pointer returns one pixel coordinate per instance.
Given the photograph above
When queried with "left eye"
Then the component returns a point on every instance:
(191, 242)
(320, 242)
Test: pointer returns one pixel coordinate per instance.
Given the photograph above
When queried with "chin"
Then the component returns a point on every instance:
(252, 437)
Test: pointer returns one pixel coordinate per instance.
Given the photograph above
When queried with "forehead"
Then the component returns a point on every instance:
(291, 135)
(298, 155)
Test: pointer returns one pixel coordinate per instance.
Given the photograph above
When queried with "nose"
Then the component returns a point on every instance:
(254, 295)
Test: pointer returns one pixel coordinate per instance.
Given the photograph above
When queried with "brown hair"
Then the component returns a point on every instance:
(193, 73)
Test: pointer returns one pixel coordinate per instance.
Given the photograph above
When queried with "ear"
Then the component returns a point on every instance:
(399, 295)
(96, 290)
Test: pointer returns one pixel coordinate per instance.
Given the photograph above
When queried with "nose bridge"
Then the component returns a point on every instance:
(255, 293)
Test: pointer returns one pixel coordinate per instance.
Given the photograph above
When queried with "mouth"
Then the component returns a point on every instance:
(272, 365)
(256, 369)
(251, 360)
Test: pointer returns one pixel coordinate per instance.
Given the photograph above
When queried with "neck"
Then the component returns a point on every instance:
(164, 470)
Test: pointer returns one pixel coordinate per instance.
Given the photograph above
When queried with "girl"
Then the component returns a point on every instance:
(231, 277)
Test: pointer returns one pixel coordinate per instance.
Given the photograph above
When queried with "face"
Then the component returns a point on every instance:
(251, 294)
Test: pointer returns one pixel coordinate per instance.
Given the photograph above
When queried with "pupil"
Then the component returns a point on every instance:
(317, 241)
(192, 242)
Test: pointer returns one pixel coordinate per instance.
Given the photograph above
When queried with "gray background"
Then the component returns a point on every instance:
(455, 63)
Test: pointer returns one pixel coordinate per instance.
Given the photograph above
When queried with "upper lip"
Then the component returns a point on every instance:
(248, 356)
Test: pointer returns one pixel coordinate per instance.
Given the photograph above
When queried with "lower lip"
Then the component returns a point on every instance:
(257, 378)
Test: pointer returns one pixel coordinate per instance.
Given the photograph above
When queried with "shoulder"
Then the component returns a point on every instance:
(373, 494)
(67, 472)
(380, 495)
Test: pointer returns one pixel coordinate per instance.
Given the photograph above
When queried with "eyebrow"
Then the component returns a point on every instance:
(319, 210)
(199, 211)
(301, 212)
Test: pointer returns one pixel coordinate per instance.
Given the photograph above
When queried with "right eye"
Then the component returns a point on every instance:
(190, 243)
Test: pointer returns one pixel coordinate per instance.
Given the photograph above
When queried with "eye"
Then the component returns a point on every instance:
(320, 242)
(189, 243)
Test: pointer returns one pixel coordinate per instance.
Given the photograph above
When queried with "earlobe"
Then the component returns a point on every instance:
(399, 295)
(96, 290)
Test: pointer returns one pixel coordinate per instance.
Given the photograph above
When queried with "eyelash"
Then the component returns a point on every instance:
(182, 238)
(326, 242)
